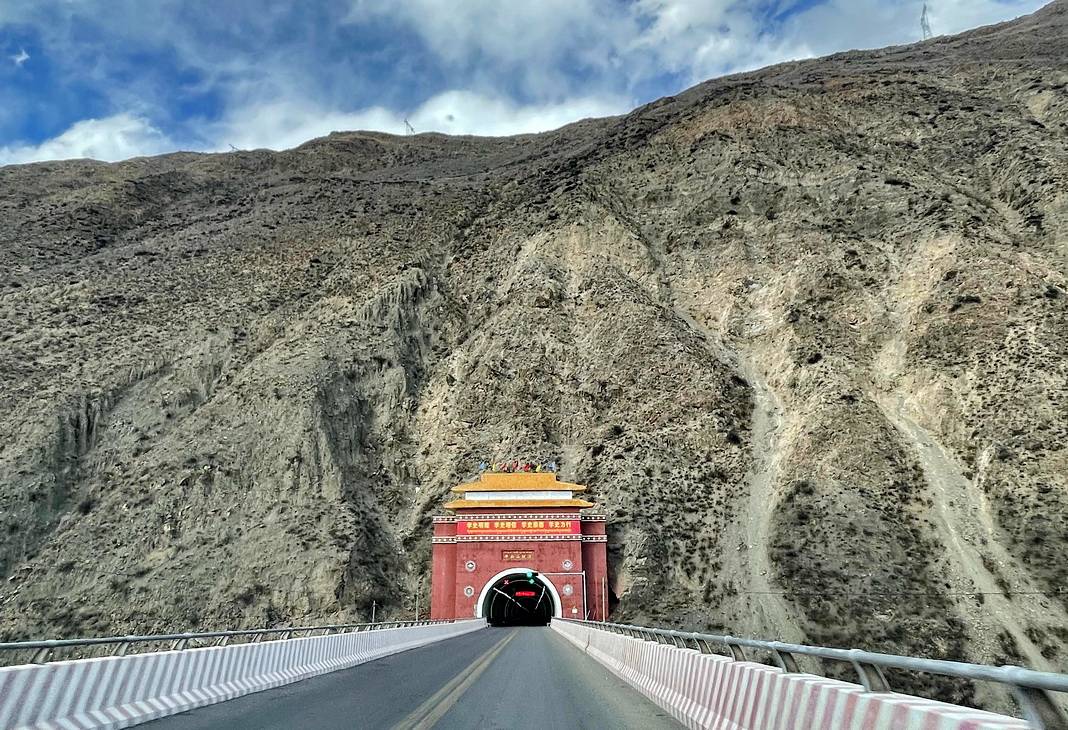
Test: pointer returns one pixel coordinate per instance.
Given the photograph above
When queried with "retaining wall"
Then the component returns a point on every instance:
(712, 691)
(115, 692)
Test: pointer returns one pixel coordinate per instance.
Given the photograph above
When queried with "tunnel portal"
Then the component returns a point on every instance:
(516, 600)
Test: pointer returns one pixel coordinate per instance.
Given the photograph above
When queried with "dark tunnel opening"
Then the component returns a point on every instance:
(519, 601)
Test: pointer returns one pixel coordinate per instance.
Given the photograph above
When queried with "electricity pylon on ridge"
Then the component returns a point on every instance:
(408, 128)
(925, 23)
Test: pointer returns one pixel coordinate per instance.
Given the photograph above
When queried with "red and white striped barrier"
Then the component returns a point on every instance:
(712, 691)
(115, 692)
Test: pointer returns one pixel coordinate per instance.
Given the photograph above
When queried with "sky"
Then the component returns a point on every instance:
(113, 79)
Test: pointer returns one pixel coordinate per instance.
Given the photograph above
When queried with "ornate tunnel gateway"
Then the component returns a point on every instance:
(518, 549)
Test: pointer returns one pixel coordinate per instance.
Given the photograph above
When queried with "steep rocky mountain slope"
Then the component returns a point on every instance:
(803, 332)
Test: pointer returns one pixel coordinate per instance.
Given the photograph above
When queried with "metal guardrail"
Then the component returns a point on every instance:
(1031, 688)
(42, 649)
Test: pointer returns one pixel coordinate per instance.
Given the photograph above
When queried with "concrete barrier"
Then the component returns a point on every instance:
(712, 691)
(115, 692)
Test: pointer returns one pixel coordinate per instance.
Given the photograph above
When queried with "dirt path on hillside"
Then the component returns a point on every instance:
(965, 526)
(964, 522)
(769, 614)
(746, 563)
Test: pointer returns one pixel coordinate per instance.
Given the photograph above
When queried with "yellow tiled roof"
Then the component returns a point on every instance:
(521, 503)
(520, 481)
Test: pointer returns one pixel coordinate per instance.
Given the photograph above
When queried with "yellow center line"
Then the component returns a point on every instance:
(427, 714)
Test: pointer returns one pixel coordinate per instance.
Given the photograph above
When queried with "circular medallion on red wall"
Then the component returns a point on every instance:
(569, 589)
(469, 591)
(470, 565)
(568, 565)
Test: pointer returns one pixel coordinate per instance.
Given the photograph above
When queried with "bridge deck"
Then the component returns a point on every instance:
(496, 678)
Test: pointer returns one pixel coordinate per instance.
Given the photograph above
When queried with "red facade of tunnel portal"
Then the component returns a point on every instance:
(506, 524)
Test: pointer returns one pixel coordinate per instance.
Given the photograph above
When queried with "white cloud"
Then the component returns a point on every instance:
(584, 46)
(20, 58)
(537, 45)
(840, 25)
(955, 16)
(701, 39)
(675, 28)
(556, 48)
(456, 31)
(465, 112)
(113, 138)
(282, 125)
(285, 124)
(706, 38)
(615, 45)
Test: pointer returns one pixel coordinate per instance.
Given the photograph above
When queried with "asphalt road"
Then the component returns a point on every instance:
(495, 678)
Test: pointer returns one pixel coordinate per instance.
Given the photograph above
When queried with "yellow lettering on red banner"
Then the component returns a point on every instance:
(518, 527)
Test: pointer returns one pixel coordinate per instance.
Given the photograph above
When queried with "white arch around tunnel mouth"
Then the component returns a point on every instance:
(521, 571)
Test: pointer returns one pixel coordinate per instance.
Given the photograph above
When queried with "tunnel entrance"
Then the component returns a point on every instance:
(516, 600)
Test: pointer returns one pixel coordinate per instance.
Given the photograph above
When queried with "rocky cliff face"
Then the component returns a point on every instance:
(804, 333)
